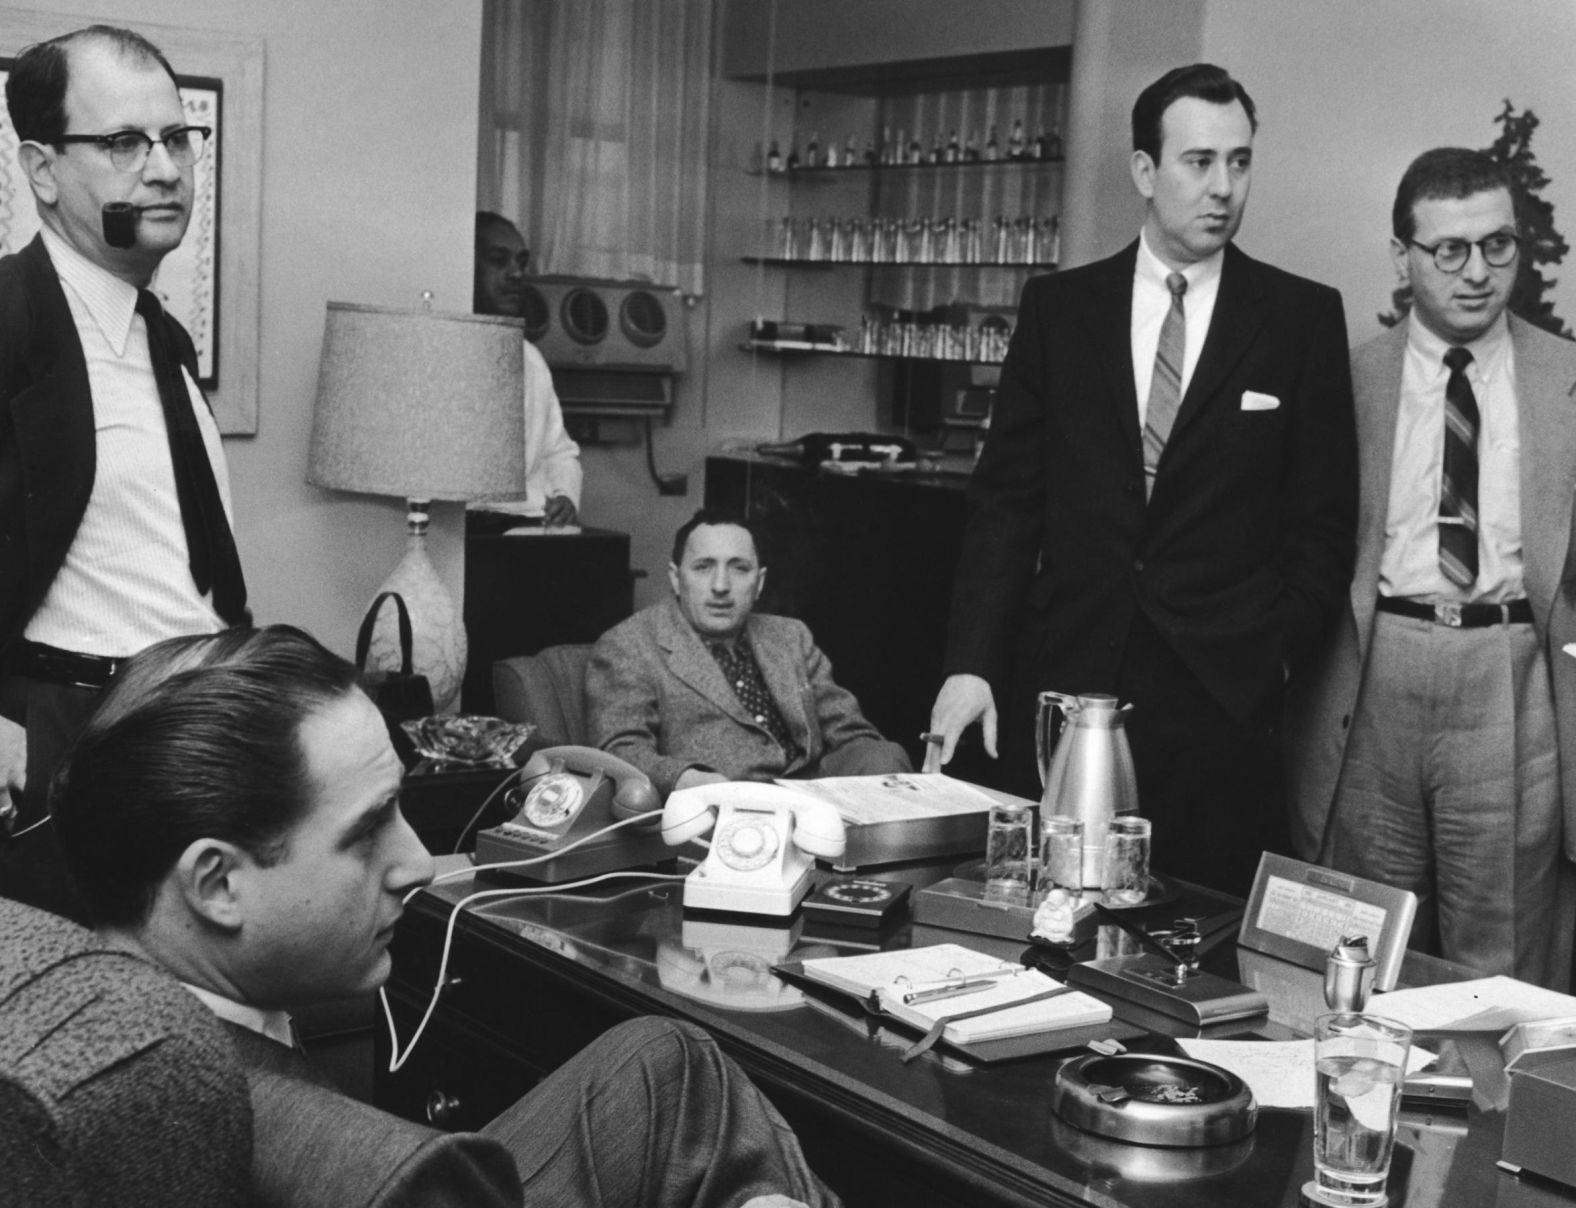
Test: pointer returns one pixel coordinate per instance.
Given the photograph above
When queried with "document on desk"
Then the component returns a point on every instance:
(1278, 1072)
(903, 815)
(1485, 1004)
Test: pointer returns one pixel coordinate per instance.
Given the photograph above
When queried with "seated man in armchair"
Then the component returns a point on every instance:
(231, 813)
(702, 688)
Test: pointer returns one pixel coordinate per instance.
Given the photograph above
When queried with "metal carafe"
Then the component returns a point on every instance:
(1086, 767)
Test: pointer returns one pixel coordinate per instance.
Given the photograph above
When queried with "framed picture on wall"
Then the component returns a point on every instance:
(211, 281)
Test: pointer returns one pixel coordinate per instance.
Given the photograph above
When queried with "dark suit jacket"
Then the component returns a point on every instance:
(1239, 559)
(316, 1148)
(657, 699)
(47, 446)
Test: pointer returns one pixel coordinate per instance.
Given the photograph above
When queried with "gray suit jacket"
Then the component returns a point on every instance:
(1320, 704)
(658, 700)
(314, 1147)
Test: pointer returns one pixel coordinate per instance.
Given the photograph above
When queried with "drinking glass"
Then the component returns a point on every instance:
(1007, 846)
(1061, 855)
(1126, 876)
(1359, 1062)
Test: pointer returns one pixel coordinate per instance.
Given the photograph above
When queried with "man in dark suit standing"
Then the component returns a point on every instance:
(1164, 508)
(114, 524)
(231, 811)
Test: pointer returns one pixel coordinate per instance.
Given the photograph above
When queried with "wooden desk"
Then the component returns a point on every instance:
(534, 980)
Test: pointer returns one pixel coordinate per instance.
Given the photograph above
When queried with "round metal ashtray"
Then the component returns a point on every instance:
(1151, 1099)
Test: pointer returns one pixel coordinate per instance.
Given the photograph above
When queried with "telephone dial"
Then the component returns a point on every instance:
(566, 794)
(764, 847)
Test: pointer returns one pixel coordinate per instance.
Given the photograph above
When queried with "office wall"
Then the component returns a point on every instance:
(369, 169)
(1350, 90)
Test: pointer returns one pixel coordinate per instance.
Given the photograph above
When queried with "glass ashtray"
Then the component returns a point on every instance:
(467, 738)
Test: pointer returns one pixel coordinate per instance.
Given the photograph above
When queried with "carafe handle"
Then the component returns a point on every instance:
(1048, 722)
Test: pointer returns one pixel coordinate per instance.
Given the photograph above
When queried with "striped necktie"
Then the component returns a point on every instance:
(1458, 495)
(1165, 387)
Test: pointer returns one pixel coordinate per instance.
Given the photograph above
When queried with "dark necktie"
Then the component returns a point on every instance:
(1165, 387)
(1458, 496)
(749, 685)
(210, 546)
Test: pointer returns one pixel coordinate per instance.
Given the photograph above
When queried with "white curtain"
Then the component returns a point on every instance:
(595, 116)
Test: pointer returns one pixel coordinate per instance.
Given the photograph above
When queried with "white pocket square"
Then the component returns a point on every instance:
(1252, 400)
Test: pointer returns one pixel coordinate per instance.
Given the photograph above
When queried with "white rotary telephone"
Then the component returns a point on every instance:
(764, 849)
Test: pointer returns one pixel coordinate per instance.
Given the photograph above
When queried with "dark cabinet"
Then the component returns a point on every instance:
(866, 561)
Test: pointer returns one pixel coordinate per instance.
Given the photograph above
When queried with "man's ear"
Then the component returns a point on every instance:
(673, 577)
(760, 582)
(207, 877)
(1143, 169)
(38, 165)
(1401, 260)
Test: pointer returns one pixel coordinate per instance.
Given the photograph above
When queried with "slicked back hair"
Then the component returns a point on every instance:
(1204, 81)
(1445, 173)
(198, 737)
(35, 90)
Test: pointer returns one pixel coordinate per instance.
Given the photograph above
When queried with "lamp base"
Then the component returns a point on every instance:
(438, 646)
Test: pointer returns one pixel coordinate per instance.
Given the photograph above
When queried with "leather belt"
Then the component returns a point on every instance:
(1460, 616)
(53, 665)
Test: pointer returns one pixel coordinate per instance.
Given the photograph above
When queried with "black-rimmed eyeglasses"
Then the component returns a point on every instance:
(129, 149)
(1451, 255)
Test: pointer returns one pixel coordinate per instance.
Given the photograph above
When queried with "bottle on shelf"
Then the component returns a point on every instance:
(793, 154)
(812, 151)
(1053, 146)
(971, 149)
(937, 152)
(774, 158)
(916, 153)
(888, 152)
(872, 156)
(1042, 145)
(1015, 140)
(1056, 239)
(850, 155)
(954, 148)
(992, 147)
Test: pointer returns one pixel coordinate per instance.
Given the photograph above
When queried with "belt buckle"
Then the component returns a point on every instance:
(1447, 612)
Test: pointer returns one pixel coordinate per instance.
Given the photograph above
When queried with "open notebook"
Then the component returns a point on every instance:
(955, 994)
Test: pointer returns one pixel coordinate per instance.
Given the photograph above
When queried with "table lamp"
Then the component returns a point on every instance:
(422, 405)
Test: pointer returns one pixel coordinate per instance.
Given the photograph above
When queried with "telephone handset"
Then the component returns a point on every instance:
(564, 795)
(763, 852)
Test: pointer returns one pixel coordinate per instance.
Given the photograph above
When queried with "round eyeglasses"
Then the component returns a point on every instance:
(129, 149)
(1451, 255)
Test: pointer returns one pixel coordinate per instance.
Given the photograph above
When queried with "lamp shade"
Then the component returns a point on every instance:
(419, 404)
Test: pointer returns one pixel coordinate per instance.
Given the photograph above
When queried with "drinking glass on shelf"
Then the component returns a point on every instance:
(1007, 845)
(1359, 1063)
(1126, 875)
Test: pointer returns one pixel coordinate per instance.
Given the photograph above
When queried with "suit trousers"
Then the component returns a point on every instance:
(653, 1113)
(32, 867)
(1450, 789)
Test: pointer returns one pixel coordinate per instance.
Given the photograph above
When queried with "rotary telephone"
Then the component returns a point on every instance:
(764, 849)
(566, 794)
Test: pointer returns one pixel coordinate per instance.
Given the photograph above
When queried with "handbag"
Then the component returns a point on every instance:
(399, 695)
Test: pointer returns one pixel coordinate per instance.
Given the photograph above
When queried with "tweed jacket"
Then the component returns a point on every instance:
(1319, 710)
(657, 699)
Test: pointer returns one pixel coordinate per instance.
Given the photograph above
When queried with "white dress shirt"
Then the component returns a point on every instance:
(1151, 302)
(273, 1024)
(126, 581)
(552, 459)
(1410, 565)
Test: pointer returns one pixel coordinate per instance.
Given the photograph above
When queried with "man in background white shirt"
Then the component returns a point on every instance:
(1429, 748)
(114, 498)
(552, 460)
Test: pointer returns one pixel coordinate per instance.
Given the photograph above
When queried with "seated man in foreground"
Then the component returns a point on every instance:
(232, 814)
(701, 688)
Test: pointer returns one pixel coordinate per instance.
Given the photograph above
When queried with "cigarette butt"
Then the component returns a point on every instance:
(934, 740)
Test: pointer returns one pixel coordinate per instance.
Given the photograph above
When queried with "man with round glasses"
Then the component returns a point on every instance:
(114, 497)
(1430, 749)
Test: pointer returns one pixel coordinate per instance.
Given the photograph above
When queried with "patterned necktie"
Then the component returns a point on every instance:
(1458, 497)
(210, 546)
(1165, 387)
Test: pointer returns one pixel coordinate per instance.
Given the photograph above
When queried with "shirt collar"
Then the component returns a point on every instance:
(1152, 269)
(1488, 350)
(110, 301)
(273, 1024)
